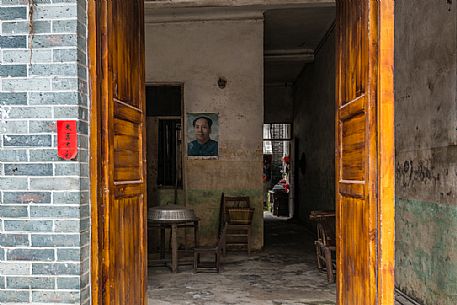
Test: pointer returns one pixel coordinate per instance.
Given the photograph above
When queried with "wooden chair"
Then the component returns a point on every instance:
(210, 266)
(238, 229)
(326, 242)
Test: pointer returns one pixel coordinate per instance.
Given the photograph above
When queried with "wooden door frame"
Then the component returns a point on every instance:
(95, 144)
(385, 142)
(386, 147)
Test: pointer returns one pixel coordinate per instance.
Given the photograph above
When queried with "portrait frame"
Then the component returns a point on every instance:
(202, 135)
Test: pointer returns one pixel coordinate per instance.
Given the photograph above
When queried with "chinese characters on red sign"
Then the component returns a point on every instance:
(67, 139)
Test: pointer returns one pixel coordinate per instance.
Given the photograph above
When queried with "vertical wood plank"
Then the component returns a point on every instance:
(94, 39)
(386, 212)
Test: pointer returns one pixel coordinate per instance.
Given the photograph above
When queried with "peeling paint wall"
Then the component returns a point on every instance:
(197, 53)
(314, 131)
(426, 151)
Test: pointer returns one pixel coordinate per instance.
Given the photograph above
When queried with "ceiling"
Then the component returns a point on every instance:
(293, 28)
(297, 28)
(291, 36)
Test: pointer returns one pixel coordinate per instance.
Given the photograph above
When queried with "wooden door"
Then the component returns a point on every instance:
(365, 152)
(118, 93)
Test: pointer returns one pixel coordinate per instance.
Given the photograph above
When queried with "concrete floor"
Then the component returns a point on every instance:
(284, 273)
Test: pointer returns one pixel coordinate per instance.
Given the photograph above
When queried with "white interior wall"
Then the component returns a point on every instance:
(196, 53)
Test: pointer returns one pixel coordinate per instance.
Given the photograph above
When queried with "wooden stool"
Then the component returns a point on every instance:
(211, 266)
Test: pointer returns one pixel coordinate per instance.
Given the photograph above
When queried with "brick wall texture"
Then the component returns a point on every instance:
(44, 200)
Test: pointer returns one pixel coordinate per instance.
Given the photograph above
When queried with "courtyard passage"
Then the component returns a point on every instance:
(284, 273)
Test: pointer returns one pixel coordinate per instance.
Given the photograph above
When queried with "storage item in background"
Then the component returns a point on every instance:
(280, 202)
(240, 216)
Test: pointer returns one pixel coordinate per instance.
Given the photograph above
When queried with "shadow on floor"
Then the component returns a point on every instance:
(284, 273)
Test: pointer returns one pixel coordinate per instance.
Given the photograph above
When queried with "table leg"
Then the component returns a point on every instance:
(162, 242)
(196, 241)
(174, 249)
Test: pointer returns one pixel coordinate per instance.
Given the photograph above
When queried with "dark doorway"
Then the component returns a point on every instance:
(164, 145)
(164, 149)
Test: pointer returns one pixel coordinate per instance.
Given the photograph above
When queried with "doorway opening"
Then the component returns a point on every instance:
(299, 88)
(220, 59)
(164, 153)
(277, 176)
(254, 70)
(164, 142)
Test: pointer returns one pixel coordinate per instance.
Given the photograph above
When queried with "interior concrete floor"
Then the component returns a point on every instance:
(284, 273)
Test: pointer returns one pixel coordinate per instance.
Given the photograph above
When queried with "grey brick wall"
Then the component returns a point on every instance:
(44, 200)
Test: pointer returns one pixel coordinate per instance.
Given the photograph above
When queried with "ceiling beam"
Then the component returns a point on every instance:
(303, 55)
(261, 4)
(170, 15)
(164, 11)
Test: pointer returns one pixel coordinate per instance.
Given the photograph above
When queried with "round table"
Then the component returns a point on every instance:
(157, 219)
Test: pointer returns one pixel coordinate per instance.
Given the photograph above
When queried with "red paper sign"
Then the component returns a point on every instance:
(67, 139)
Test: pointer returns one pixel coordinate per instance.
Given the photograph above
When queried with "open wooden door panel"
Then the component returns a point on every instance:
(117, 71)
(365, 152)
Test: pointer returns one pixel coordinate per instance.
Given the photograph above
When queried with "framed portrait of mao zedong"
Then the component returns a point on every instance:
(203, 135)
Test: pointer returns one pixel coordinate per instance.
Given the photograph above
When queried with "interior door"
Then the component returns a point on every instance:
(123, 220)
(365, 152)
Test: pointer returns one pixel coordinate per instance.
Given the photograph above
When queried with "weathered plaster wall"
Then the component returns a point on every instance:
(197, 54)
(279, 103)
(44, 200)
(426, 151)
(314, 127)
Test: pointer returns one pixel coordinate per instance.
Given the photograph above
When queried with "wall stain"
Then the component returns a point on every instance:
(411, 172)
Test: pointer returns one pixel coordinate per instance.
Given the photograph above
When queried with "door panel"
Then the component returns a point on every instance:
(123, 153)
(364, 152)
(126, 282)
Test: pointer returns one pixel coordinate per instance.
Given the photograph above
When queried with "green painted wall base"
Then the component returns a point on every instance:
(426, 251)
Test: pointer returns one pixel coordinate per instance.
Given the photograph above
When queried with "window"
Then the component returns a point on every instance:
(274, 135)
